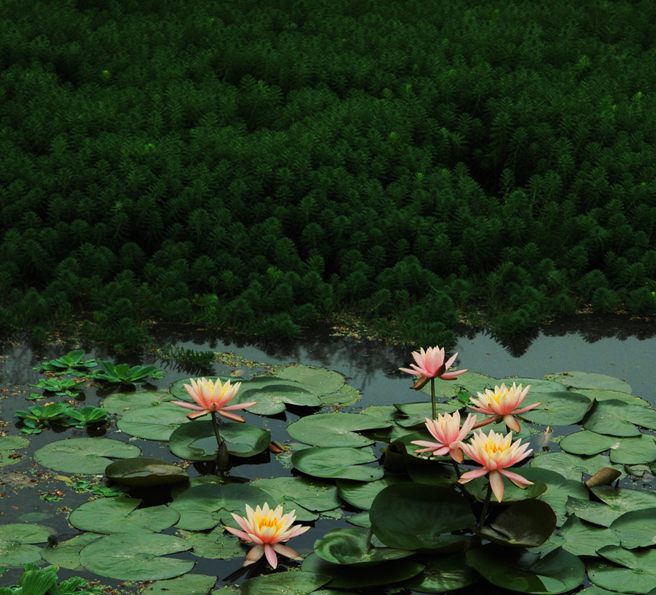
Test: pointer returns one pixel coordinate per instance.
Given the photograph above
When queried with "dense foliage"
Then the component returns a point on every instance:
(258, 166)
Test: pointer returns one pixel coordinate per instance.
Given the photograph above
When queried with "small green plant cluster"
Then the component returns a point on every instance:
(266, 166)
(44, 581)
(60, 414)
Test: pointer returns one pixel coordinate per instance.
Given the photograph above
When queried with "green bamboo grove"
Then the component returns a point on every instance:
(264, 166)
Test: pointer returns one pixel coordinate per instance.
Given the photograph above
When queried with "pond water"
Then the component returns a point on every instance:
(623, 349)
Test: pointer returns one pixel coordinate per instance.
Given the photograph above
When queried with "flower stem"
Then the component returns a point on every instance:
(433, 404)
(486, 506)
(222, 456)
(370, 534)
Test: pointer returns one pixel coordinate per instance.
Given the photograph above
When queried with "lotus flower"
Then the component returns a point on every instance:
(496, 452)
(449, 435)
(502, 403)
(430, 363)
(267, 528)
(212, 397)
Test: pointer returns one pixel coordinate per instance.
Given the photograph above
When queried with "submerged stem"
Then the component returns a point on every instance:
(486, 506)
(433, 404)
(370, 534)
(222, 455)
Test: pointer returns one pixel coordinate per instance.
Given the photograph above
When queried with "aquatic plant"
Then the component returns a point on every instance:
(73, 360)
(112, 373)
(502, 403)
(449, 435)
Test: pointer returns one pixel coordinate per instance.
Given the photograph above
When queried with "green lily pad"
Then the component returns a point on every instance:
(335, 429)
(119, 515)
(527, 523)
(145, 472)
(627, 451)
(337, 463)
(417, 413)
(601, 395)
(196, 441)
(443, 574)
(216, 545)
(511, 493)
(189, 584)
(8, 447)
(472, 382)
(300, 492)
(346, 395)
(416, 516)
(570, 466)
(316, 380)
(584, 539)
(284, 583)
(361, 495)
(616, 502)
(271, 394)
(562, 408)
(136, 556)
(120, 403)
(525, 572)
(202, 507)
(636, 528)
(619, 418)
(345, 577)
(86, 456)
(66, 554)
(589, 381)
(538, 385)
(155, 422)
(348, 547)
(17, 543)
(636, 572)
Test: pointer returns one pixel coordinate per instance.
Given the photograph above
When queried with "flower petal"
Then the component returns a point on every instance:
(287, 551)
(496, 481)
(271, 557)
(253, 555)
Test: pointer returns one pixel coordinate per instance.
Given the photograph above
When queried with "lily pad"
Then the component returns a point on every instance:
(216, 545)
(203, 506)
(422, 514)
(615, 502)
(348, 547)
(300, 492)
(8, 447)
(361, 495)
(443, 574)
(338, 463)
(570, 466)
(196, 441)
(472, 382)
(619, 418)
(527, 523)
(189, 584)
(156, 422)
(316, 380)
(627, 451)
(583, 539)
(86, 456)
(636, 572)
(17, 543)
(417, 413)
(120, 403)
(526, 572)
(335, 429)
(590, 380)
(136, 556)
(346, 395)
(511, 493)
(562, 408)
(121, 515)
(636, 528)
(271, 394)
(145, 472)
(66, 554)
(284, 583)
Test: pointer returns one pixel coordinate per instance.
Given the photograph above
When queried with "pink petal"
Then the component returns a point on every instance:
(239, 406)
(518, 480)
(409, 371)
(287, 551)
(476, 473)
(452, 375)
(431, 445)
(238, 533)
(486, 421)
(253, 555)
(198, 414)
(512, 423)
(450, 361)
(525, 409)
(231, 416)
(496, 481)
(457, 455)
(295, 531)
(271, 557)
(241, 521)
(188, 405)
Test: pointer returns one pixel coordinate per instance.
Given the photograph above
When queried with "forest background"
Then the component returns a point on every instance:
(261, 167)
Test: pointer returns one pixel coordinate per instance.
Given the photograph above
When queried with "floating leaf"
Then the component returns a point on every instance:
(120, 403)
(284, 583)
(8, 446)
(361, 495)
(156, 422)
(119, 515)
(347, 395)
(17, 543)
(527, 523)
(316, 380)
(335, 429)
(416, 516)
(189, 584)
(570, 466)
(618, 418)
(417, 413)
(217, 544)
(349, 547)
(601, 395)
(556, 408)
(472, 382)
(478, 489)
(300, 492)
(88, 456)
(583, 539)
(145, 472)
(616, 502)
(271, 394)
(525, 572)
(636, 573)
(196, 441)
(636, 528)
(136, 556)
(589, 380)
(628, 451)
(66, 554)
(443, 574)
(337, 463)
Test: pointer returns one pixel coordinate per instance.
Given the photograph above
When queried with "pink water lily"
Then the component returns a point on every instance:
(213, 397)
(496, 452)
(430, 363)
(449, 435)
(267, 528)
(502, 403)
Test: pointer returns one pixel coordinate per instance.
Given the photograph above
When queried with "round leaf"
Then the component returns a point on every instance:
(337, 463)
(145, 472)
(216, 545)
(589, 381)
(271, 394)
(442, 574)
(562, 408)
(8, 446)
(284, 583)
(156, 422)
(335, 429)
(316, 380)
(189, 584)
(415, 516)
(120, 403)
(300, 491)
(636, 573)
(528, 523)
(569, 466)
(627, 451)
(67, 553)
(83, 455)
(348, 547)
(583, 539)
(361, 495)
(16, 543)
(636, 528)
